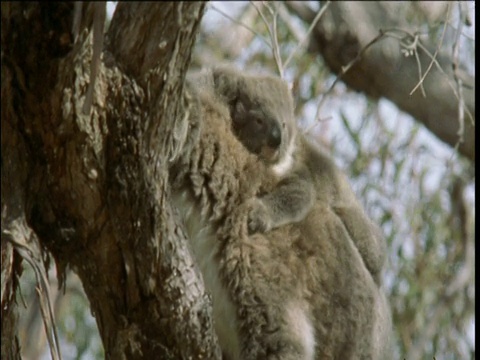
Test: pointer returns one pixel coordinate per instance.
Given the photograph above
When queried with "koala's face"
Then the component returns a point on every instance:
(262, 115)
(257, 128)
(261, 110)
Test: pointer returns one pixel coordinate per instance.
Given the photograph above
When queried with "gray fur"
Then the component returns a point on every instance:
(306, 289)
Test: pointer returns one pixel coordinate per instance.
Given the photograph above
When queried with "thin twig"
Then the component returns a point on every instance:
(99, 16)
(241, 24)
(30, 252)
(347, 68)
(455, 51)
(263, 18)
(464, 34)
(274, 45)
(420, 83)
(309, 31)
(391, 33)
(448, 82)
(413, 48)
(286, 17)
(277, 44)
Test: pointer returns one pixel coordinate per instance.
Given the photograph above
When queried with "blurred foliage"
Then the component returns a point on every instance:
(407, 188)
(419, 190)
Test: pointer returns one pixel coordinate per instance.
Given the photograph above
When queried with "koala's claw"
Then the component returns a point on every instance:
(258, 220)
(255, 226)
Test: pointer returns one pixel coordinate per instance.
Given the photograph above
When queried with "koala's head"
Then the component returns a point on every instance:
(261, 109)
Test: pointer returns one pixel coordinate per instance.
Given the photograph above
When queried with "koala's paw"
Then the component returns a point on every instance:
(258, 218)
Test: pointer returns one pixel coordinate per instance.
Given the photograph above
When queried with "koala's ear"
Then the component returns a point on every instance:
(239, 113)
(226, 83)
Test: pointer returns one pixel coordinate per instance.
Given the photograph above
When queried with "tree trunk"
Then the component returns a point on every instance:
(94, 188)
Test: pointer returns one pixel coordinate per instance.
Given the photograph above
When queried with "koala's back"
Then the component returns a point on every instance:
(333, 191)
(336, 274)
(340, 272)
(347, 305)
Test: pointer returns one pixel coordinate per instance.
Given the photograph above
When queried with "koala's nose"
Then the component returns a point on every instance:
(275, 137)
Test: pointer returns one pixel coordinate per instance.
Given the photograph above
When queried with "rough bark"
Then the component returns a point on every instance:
(10, 270)
(14, 169)
(94, 188)
(347, 28)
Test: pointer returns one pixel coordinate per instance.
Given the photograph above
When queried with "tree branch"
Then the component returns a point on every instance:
(347, 27)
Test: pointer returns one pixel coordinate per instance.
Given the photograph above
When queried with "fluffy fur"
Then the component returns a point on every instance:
(303, 290)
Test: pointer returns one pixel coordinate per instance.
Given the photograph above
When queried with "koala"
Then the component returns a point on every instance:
(300, 283)
(261, 107)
